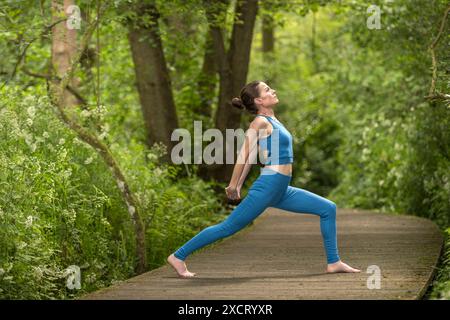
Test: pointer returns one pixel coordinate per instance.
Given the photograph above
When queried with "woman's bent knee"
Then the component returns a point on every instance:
(330, 211)
(333, 207)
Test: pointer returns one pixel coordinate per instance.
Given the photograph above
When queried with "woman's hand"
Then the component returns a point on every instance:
(233, 193)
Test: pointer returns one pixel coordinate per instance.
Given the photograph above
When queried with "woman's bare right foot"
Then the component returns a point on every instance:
(340, 267)
(180, 267)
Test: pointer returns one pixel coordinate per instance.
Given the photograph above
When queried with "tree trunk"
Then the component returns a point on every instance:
(152, 77)
(64, 47)
(206, 82)
(268, 40)
(233, 70)
(267, 35)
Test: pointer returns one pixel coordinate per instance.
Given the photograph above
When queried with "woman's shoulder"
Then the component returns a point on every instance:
(259, 123)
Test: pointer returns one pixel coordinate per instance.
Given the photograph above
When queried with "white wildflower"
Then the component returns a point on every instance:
(45, 135)
(88, 160)
(72, 214)
(38, 272)
(21, 245)
(61, 141)
(67, 173)
(85, 113)
(29, 122)
(100, 111)
(105, 222)
(121, 185)
(31, 111)
(28, 138)
(29, 221)
(28, 100)
(105, 127)
(90, 278)
(102, 135)
(152, 156)
(63, 154)
(157, 172)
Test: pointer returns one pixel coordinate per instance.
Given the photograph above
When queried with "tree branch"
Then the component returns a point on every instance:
(56, 92)
(69, 88)
(24, 52)
(433, 95)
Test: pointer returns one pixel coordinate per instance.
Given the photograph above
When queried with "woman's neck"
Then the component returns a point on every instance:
(268, 113)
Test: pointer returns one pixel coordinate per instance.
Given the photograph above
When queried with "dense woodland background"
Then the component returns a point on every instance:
(87, 112)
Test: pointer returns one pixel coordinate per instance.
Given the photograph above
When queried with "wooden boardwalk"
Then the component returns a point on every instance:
(281, 256)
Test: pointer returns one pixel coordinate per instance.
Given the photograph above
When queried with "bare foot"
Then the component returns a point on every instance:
(340, 267)
(180, 267)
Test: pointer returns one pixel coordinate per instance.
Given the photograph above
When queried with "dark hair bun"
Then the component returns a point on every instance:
(237, 102)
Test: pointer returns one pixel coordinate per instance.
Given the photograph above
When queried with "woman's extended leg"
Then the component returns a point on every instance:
(261, 195)
(250, 208)
(303, 201)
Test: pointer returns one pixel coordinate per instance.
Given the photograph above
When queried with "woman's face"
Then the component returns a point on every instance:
(267, 95)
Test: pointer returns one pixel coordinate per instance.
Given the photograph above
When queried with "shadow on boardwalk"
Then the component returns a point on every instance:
(281, 256)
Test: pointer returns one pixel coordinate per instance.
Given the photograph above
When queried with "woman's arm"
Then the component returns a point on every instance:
(248, 164)
(244, 174)
(246, 158)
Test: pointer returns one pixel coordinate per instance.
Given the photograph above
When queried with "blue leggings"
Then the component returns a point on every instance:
(271, 189)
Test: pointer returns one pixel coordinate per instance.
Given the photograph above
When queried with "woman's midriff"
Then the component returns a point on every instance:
(281, 168)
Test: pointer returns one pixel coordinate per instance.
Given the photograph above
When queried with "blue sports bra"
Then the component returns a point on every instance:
(278, 143)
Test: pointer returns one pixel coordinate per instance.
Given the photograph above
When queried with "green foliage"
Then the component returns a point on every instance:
(59, 205)
(441, 284)
(356, 106)
(353, 98)
(174, 209)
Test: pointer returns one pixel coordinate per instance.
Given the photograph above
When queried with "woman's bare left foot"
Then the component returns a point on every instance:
(341, 267)
(180, 267)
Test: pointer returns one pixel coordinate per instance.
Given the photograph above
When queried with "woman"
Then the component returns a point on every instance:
(270, 189)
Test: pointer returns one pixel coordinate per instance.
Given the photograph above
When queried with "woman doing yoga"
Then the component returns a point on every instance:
(270, 189)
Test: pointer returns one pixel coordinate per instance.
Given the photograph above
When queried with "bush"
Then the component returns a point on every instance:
(60, 206)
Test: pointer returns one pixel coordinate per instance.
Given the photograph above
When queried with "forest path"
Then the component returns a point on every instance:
(281, 256)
